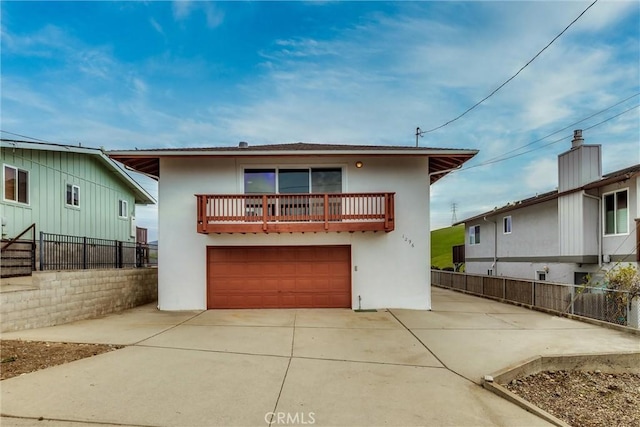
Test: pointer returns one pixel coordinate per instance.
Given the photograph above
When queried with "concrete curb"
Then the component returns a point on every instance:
(606, 362)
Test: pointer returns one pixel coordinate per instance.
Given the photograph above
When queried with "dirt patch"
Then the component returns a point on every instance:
(585, 399)
(21, 357)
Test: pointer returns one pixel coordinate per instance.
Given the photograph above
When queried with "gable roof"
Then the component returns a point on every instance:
(441, 160)
(141, 195)
(610, 178)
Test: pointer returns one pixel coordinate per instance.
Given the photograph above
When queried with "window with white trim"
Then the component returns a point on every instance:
(16, 184)
(296, 181)
(506, 224)
(73, 195)
(123, 208)
(541, 275)
(474, 235)
(616, 212)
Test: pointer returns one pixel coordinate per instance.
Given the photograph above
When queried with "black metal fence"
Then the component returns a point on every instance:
(62, 252)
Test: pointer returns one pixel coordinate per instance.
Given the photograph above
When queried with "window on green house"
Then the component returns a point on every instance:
(16, 184)
(73, 195)
(123, 208)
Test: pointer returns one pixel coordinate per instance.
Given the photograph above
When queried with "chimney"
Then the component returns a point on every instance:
(580, 165)
(243, 144)
(577, 139)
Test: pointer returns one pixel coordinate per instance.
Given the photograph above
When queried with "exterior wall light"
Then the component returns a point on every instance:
(359, 164)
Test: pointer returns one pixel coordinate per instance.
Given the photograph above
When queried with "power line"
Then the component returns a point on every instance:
(422, 132)
(497, 160)
(565, 128)
(25, 136)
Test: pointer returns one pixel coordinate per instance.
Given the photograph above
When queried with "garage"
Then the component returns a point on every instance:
(279, 277)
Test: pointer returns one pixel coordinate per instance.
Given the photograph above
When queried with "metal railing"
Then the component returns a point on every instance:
(18, 255)
(231, 213)
(62, 252)
(599, 303)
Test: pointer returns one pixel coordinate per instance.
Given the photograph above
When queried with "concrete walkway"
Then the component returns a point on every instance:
(304, 367)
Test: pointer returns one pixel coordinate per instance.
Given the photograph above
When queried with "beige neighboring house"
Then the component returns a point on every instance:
(585, 227)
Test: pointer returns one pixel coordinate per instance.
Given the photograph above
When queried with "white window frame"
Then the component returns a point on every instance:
(4, 193)
(472, 235)
(615, 211)
(541, 275)
(123, 208)
(507, 224)
(75, 190)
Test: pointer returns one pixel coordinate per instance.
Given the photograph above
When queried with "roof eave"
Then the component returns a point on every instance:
(142, 197)
(441, 160)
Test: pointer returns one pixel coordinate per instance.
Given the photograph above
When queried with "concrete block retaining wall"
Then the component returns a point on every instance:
(59, 297)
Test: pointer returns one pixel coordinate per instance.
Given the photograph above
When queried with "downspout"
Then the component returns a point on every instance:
(495, 245)
(598, 232)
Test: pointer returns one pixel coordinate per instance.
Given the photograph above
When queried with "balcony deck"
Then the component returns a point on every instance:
(295, 213)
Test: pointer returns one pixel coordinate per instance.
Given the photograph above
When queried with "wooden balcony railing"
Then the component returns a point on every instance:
(287, 213)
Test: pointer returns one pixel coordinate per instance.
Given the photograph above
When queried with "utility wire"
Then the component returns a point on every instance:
(422, 132)
(25, 136)
(566, 127)
(497, 160)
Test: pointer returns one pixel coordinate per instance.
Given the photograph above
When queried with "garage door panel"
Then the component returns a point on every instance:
(286, 285)
(279, 277)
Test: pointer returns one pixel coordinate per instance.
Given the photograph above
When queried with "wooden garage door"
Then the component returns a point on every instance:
(279, 277)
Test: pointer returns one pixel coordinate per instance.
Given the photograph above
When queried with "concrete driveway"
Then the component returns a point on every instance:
(297, 367)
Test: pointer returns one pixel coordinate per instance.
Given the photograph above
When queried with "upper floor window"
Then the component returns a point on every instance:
(616, 212)
(16, 184)
(292, 181)
(506, 224)
(73, 195)
(474, 235)
(123, 208)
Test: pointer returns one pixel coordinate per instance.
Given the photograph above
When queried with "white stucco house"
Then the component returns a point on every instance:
(294, 225)
(585, 227)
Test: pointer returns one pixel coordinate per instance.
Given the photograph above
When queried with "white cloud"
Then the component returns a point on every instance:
(183, 9)
(156, 26)
(541, 175)
(215, 17)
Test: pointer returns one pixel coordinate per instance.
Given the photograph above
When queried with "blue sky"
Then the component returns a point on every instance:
(172, 74)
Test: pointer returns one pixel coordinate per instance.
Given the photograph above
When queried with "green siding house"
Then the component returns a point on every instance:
(66, 190)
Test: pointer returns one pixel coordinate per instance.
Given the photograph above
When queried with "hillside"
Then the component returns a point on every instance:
(442, 242)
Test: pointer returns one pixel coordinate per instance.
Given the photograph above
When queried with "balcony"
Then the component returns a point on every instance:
(295, 213)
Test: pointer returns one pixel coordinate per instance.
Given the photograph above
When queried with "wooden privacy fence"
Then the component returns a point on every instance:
(597, 303)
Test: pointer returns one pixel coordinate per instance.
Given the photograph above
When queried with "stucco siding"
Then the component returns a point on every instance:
(49, 174)
(388, 269)
(534, 232)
